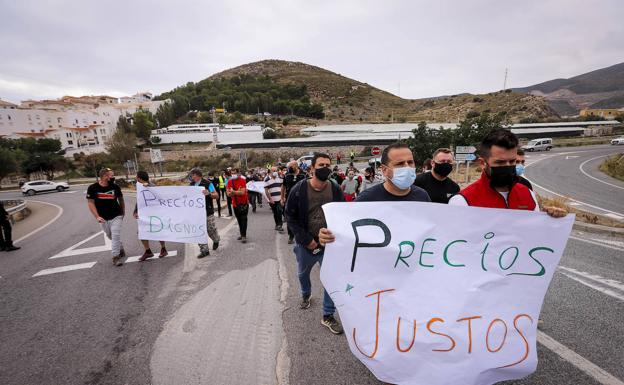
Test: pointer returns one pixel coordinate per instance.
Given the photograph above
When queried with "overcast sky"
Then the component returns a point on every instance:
(422, 48)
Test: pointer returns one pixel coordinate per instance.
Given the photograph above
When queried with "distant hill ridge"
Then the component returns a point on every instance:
(348, 100)
(602, 88)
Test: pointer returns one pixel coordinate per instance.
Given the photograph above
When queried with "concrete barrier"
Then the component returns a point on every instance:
(17, 209)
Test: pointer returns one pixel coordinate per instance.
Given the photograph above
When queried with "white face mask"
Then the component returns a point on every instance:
(275, 175)
(235, 176)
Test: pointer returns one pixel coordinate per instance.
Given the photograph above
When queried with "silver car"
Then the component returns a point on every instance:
(542, 144)
(37, 186)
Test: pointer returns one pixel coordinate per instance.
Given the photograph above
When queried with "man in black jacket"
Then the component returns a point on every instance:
(305, 218)
(6, 243)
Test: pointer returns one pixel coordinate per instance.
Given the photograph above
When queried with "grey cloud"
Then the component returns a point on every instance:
(429, 47)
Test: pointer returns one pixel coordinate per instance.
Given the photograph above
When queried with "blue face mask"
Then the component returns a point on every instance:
(403, 177)
(519, 169)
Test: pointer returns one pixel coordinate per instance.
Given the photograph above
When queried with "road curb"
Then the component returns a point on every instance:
(599, 229)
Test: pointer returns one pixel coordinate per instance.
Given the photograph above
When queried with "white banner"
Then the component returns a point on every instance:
(436, 294)
(259, 188)
(172, 213)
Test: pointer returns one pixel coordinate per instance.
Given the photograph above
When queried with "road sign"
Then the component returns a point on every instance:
(156, 156)
(375, 151)
(465, 149)
(465, 157)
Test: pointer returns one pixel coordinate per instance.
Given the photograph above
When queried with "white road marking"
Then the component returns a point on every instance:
(60, 212)
(172, 253)
(596, 243)
(574, 204)
(610, 242)
(572, 156)
(563, 196)
(588, 367)
(62, 269)
(574, 200)
(72, 250)
(593, 177)
(614, 216)
(609, 292)
(594, 277)
(69, 192)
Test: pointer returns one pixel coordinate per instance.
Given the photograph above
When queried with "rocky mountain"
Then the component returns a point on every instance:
(603, 88)
(347, 100)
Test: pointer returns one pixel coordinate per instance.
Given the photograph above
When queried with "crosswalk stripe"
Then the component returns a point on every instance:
(62, 269)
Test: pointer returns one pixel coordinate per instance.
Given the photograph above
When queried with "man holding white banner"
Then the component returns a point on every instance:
(211, 226)
(450, 296)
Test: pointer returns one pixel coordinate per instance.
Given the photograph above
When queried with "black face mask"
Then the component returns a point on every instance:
(442, 169)
(291, 170)
(502, 176)
(111, 180)
(322, 173)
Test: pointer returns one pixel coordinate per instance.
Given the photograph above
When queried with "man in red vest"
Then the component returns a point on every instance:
(498, 186)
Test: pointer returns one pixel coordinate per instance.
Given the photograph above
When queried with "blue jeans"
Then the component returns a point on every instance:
(305, 262)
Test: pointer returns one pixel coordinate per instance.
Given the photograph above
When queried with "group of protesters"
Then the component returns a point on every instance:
(297, 192)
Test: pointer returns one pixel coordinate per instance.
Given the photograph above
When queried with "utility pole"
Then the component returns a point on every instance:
(505, 81)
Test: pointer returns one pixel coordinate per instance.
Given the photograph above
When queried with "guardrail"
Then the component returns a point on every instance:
(14, 206)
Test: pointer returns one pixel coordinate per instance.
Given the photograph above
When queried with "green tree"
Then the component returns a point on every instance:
(165, 115)
(123, 124)
(8, 162)
(471, 130)
(45, 162)
(426, 140)
(121, 147)
(143, 123)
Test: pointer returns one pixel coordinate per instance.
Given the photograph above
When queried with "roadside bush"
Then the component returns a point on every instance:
(614, 166)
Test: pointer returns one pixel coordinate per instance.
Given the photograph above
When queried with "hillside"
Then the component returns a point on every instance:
(603, 88)
(348, 100)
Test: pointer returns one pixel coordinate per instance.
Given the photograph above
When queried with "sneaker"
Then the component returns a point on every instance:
(215, 245)
(203, 254)
(279, 228)
(11, 248)
(163, 253)
(305, 302)
(330, 322)
(147, 254)
(239, 238)
(117, 261)
(244, 239)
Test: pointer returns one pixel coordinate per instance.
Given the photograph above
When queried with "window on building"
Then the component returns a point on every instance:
(70, 142)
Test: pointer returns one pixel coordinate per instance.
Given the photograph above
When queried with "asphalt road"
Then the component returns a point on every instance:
(574, 173)
(233, 318)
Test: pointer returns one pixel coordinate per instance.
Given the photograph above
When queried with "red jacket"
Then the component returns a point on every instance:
(238, 184)
(481, 194)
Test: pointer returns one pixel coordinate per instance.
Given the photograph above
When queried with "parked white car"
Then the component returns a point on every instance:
(36, 186)
(542, 144)
(617, 141)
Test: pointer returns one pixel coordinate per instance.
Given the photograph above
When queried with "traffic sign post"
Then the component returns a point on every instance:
(375, 151)
(465, 154)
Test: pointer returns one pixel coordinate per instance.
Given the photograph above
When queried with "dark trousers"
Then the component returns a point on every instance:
(254, 198)
(218, 204)
(241, 217)
(5, 233)
(222, 194)
(229, 205)
(276, 207)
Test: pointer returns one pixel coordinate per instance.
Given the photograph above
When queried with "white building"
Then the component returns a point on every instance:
(206, 133)
(82, 124)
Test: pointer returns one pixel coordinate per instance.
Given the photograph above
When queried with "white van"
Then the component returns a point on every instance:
(543, 144)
